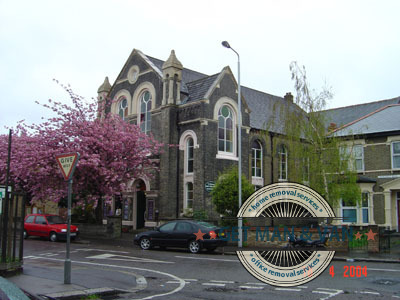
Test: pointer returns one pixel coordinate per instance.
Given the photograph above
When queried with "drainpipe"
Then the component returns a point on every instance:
(177, 164)
(271, 134)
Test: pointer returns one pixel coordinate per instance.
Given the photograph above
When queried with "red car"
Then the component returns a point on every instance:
(52, 227)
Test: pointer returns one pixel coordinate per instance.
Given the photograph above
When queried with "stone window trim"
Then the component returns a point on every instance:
(232, 105)
(185, 135)
(395, 154)
(282, 162)
(135, 102)
(144, 114)
(122, 94)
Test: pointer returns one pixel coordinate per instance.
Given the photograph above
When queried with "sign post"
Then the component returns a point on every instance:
(67, 163)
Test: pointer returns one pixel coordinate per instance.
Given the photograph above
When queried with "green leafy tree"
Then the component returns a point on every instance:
(225, 193)
(314, 155)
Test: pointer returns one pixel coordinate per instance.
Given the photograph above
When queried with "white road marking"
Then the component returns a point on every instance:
(181, 281)
(287, 289)
(394, 296)
(103, 250)
(365, 292)
(173, 282)
(222, 281)
(203, 258)
(213, 284)
(191, 279)
(127, 258)
(257, 283)
(384, 270)
(251, 287)
(329, 292)
(302, 287)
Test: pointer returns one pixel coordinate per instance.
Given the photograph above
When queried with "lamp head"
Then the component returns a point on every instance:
(226, 44)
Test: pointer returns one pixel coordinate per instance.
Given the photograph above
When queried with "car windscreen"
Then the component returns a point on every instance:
(55, 220)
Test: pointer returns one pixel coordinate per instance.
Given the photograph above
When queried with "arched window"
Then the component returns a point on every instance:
(123, 108)
(189, 155)
(225, 129)
(256, 159)
(282, 155)
(145, 115)
(189, 195)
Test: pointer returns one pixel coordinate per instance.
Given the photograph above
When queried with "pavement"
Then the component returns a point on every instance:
(40, 287)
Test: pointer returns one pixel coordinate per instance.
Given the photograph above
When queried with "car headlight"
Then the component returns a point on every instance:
(63, 230)
(77, 229)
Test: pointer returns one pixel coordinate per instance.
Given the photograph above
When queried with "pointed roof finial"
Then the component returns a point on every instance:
(105, 87)
(172, 61)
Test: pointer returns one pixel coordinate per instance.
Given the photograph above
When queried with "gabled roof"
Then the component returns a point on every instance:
(198, 86)
(197, 89)
(344, 115)
(384, 119)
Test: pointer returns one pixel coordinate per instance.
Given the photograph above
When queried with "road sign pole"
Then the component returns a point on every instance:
(67, 163)
(67, 263)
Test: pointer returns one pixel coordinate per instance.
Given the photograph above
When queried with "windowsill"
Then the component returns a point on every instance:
(282, 180)
(224, 155)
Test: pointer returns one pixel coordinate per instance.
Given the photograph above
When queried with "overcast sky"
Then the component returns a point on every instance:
(354, 46)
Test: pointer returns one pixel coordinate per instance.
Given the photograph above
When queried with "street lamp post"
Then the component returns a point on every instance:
(226, 45)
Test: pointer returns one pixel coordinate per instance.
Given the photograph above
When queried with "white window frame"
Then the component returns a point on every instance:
(120, 100)
(254, 160)
(393, 155)
(186, 198)
(359, 209)
(355, 158)
(280, 172)
(348, 152)
(342, 208)
(234, 110)
(187, 158)
(147, 112)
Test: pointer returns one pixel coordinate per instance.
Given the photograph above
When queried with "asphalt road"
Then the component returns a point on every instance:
(177, 274)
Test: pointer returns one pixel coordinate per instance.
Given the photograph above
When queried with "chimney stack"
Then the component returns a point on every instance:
(288, 97)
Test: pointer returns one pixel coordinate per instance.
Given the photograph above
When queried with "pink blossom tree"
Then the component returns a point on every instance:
(113, 152)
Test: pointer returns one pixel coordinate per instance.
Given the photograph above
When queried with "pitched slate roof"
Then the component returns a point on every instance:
(344, 115)
(263, 106)
(385, 119)
(198, 88)
(265, 110)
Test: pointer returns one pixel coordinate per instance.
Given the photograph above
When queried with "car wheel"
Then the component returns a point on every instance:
(194, 246)
(53, 237)
(145, 243)
(25, 234)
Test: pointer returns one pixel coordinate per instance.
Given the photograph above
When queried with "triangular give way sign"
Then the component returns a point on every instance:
(67, 163)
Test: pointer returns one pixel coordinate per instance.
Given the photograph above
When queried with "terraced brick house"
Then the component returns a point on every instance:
(374, 129)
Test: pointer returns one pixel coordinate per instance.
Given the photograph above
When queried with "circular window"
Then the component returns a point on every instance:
(133, 74)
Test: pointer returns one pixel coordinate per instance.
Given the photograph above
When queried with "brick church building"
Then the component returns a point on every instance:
(199, 113)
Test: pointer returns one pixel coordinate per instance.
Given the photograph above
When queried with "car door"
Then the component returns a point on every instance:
(41, 226)
(183, 233)
(29, 225)
(164, 235)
